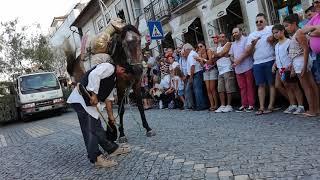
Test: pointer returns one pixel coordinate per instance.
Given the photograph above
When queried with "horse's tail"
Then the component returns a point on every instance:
(74, 67)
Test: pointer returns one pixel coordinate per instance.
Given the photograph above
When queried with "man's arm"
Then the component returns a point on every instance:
(225, 50)
(109, 110)
(100, 72)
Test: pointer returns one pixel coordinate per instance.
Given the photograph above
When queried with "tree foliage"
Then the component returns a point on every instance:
(23, 48)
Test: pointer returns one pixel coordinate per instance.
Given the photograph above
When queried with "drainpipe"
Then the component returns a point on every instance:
(128, 9)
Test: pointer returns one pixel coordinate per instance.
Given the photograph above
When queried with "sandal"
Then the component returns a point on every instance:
(306, 114)
(268, 111)
(120, 151)
(259, 112)
(212, 109)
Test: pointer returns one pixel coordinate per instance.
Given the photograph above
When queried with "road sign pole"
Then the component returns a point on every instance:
(154, 19)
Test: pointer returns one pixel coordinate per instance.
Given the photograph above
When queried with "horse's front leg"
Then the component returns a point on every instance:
(122, 136)
(137, 93)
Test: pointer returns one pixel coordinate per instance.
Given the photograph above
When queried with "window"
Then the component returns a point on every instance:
(108, 17)
(38, 83)
(99, 24)
(119, 11)
(137, 8)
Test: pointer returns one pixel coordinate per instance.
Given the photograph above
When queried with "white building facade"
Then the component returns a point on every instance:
(185, 20)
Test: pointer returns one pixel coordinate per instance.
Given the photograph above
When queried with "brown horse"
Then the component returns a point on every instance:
(125, 50)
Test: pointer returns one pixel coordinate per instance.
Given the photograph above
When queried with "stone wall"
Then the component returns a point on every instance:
(7, 108)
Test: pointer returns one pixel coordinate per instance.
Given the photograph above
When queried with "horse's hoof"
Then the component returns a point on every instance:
(151, 133)
(123, 139)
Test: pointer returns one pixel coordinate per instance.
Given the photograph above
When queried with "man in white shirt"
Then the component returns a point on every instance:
(260, 43)
(96, 87)
(195, 74)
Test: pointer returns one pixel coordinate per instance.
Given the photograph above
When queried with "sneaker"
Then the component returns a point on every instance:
(241, 109)
(291, 109)
(220, 109)
(300, 110)
(102, 161)
(249, 109)
(228, 108)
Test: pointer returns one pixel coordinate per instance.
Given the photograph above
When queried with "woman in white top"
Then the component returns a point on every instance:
(299, 53)
(284, 75)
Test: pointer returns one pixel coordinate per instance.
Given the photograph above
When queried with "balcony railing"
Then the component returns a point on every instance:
(157, 10)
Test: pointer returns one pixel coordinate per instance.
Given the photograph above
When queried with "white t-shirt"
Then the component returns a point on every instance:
(264, 51)
(224, 63)
(281, 51)
(191, 61)
(165, 82)
(180, 82)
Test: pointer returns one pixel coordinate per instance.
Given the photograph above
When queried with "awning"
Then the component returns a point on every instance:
(219, 10)
(183, 28)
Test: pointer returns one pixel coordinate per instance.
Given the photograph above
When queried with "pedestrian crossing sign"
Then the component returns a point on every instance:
(155, 29)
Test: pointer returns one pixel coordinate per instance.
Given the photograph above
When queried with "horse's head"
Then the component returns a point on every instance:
(131, 43)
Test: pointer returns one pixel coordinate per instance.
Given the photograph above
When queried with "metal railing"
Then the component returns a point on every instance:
(177, 3)
(157, 9)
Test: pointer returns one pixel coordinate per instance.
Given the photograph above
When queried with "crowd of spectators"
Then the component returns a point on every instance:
(273, 61)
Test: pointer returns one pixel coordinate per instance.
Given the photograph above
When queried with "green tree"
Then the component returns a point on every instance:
(23, 48)
(11, 47)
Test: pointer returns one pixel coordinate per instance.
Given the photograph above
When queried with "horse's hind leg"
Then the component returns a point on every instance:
(122, 137)
(137, 93)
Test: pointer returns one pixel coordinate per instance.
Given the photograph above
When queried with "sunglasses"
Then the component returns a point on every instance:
(200, 46)
(259, 22)
(316, 2)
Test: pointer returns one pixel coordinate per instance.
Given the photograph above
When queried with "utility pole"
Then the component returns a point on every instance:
(154, 19)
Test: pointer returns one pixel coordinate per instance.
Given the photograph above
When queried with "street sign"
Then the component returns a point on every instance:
(155, 29)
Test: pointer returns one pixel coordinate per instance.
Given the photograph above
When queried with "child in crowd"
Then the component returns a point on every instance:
(178, 81)
(285, 72)
(299, 53)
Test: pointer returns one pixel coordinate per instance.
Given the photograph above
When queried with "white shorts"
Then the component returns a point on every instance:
(211, 74)
(298, 64)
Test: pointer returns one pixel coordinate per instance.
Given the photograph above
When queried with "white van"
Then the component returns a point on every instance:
(38, 92)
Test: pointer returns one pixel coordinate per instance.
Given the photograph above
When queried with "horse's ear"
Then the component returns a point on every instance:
(137, 22)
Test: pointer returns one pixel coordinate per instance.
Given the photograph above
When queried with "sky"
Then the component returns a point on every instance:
(32, 12)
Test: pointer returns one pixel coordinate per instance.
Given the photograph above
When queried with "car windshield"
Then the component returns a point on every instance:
(38, 82)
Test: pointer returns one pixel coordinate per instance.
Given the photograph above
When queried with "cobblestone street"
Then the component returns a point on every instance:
(188, 145)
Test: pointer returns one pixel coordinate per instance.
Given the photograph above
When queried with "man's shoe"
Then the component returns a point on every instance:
(220, 109)
(241, 109)
(104, 162)
(228, 108)
(249, 109)
(121, 150)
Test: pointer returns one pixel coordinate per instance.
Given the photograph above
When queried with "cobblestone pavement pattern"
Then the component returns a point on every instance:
(188, 145)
